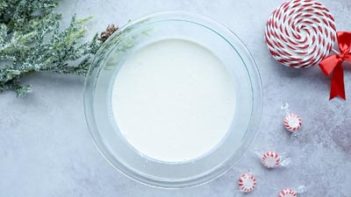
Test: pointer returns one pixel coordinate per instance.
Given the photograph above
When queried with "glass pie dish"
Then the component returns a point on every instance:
(106, 132)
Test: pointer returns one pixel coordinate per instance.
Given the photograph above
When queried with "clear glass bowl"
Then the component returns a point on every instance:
(110, 58)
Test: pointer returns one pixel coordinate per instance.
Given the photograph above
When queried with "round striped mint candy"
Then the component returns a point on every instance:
(288, 193)
(292, 122)
(270, 159)
(300, 33)
(247, 182)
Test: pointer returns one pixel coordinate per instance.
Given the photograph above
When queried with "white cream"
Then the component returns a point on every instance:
(173, 100)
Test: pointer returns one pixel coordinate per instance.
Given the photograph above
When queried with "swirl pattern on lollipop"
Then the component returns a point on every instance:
(300, 33)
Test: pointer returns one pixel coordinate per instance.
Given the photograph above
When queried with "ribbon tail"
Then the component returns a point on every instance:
(337, 88)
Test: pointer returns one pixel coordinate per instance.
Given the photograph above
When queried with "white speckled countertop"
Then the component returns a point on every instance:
(46, 149)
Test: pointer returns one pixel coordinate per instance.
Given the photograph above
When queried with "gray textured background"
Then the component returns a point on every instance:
(46, 150)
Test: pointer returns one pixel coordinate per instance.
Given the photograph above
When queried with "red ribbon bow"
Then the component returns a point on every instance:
(332, 65)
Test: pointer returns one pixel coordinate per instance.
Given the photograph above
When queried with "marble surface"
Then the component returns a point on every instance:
(46, 150)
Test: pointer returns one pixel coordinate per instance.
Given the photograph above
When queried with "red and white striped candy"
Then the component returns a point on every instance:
(288, 193)
(270, 159)
(300, 33)
(292, 122)
(247, 182)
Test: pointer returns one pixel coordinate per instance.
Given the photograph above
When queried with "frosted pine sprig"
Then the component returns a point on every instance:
(31, 41)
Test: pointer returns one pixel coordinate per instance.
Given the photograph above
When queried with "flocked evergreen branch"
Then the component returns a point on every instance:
(31, 41)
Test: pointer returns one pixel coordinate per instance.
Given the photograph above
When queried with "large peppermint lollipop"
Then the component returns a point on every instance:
(300, 33)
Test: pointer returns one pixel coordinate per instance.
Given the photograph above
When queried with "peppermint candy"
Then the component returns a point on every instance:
(288, 193)
(300, 33)
(247, 182)
(292, 122)
(270, 159)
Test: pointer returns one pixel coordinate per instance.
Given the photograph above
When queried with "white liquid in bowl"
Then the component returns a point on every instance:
(173, 100)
